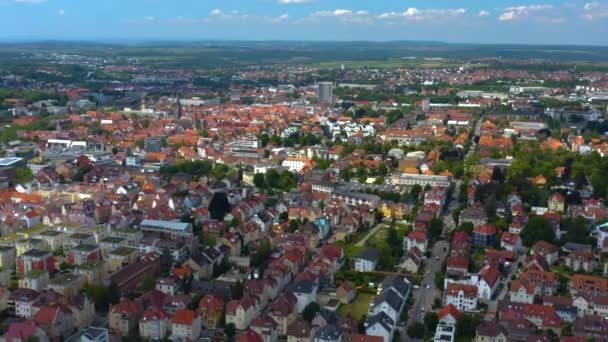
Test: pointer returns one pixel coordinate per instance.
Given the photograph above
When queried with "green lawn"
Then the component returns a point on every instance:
(358, 308)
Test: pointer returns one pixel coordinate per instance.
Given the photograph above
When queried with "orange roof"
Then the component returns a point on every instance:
(184, 317)
(449, 310)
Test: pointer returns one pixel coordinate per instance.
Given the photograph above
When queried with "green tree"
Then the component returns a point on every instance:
(148, 283)
(435, 228)
(23, 175)
(431, 319)
(310, 311)
(262, 254)
(238, 290)
(536, 229)
(230, 331)
(259, 180)
(466, 326)
(439, 280)
(416, 330)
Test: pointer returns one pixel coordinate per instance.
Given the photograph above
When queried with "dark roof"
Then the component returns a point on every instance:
(490, 328)
(382, 318)
(398, 283)
(302, 286)
(390, 297)
(370, 254)
(299, 328)
(329, 333)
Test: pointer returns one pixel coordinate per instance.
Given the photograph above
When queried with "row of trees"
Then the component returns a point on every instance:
(272, 179)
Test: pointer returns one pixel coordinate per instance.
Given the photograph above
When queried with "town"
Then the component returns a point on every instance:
(426, 199)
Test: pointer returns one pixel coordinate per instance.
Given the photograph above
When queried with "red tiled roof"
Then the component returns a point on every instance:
(366, 338)
(449, 310)
(485, 229)
(184, 317)
(249, 336)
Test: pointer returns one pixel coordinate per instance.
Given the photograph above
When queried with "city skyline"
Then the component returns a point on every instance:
(521, 22)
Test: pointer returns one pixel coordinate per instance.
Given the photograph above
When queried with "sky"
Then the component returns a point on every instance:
(581, 22)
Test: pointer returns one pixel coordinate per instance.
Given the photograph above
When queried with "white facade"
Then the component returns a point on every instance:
(364, 265)
(461, 302)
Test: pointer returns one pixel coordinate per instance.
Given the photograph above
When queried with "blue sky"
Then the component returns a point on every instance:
(471, 21)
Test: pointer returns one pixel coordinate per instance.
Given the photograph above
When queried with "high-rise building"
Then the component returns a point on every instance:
(326, 92)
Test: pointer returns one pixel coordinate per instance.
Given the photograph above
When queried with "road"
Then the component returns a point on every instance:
(426, 294)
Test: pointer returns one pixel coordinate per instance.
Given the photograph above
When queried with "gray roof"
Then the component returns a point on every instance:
(390, 297)
(302, 286)
(383, 319)
(329, 333)
(398, 283)
(370, 254)
(171, 225)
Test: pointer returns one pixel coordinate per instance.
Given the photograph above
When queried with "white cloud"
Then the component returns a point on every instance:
(216, 12)
(484, 13)
(149, 18)
(335, 13)
(517, 12)
(595, 10)
(414, 13)
(507, 16)
(290, 2)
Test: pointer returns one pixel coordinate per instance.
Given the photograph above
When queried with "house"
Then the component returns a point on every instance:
(380, 325)
(168, 285)
(266, 327)
(444, 333)
(211, 309)
(388, 302)
(413, 260)
(489, 277)
(557, 203)
(185, 325)
(25, 331)
(457, 265)
(154, 323)
(416, 238)
(249, 336)
(345, 293)
(299, 331)
(305, 292)
(591, 327)
(283, 310)
(124, 317)
(463, 297)
(24, 300)
(589, 305)
(490, 331)
(484, 234)
(400, 285)
(367, 260)
(587, 284)
(532, 283)
(328, 333)
(476, 215)
(449, 314)
(581, 260)
(547, 250)
(55, 320)
(83, 310)
(366, 338)
(511, 242)
(241, 312)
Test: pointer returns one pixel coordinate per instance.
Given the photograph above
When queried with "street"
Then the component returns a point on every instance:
(426, 294)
